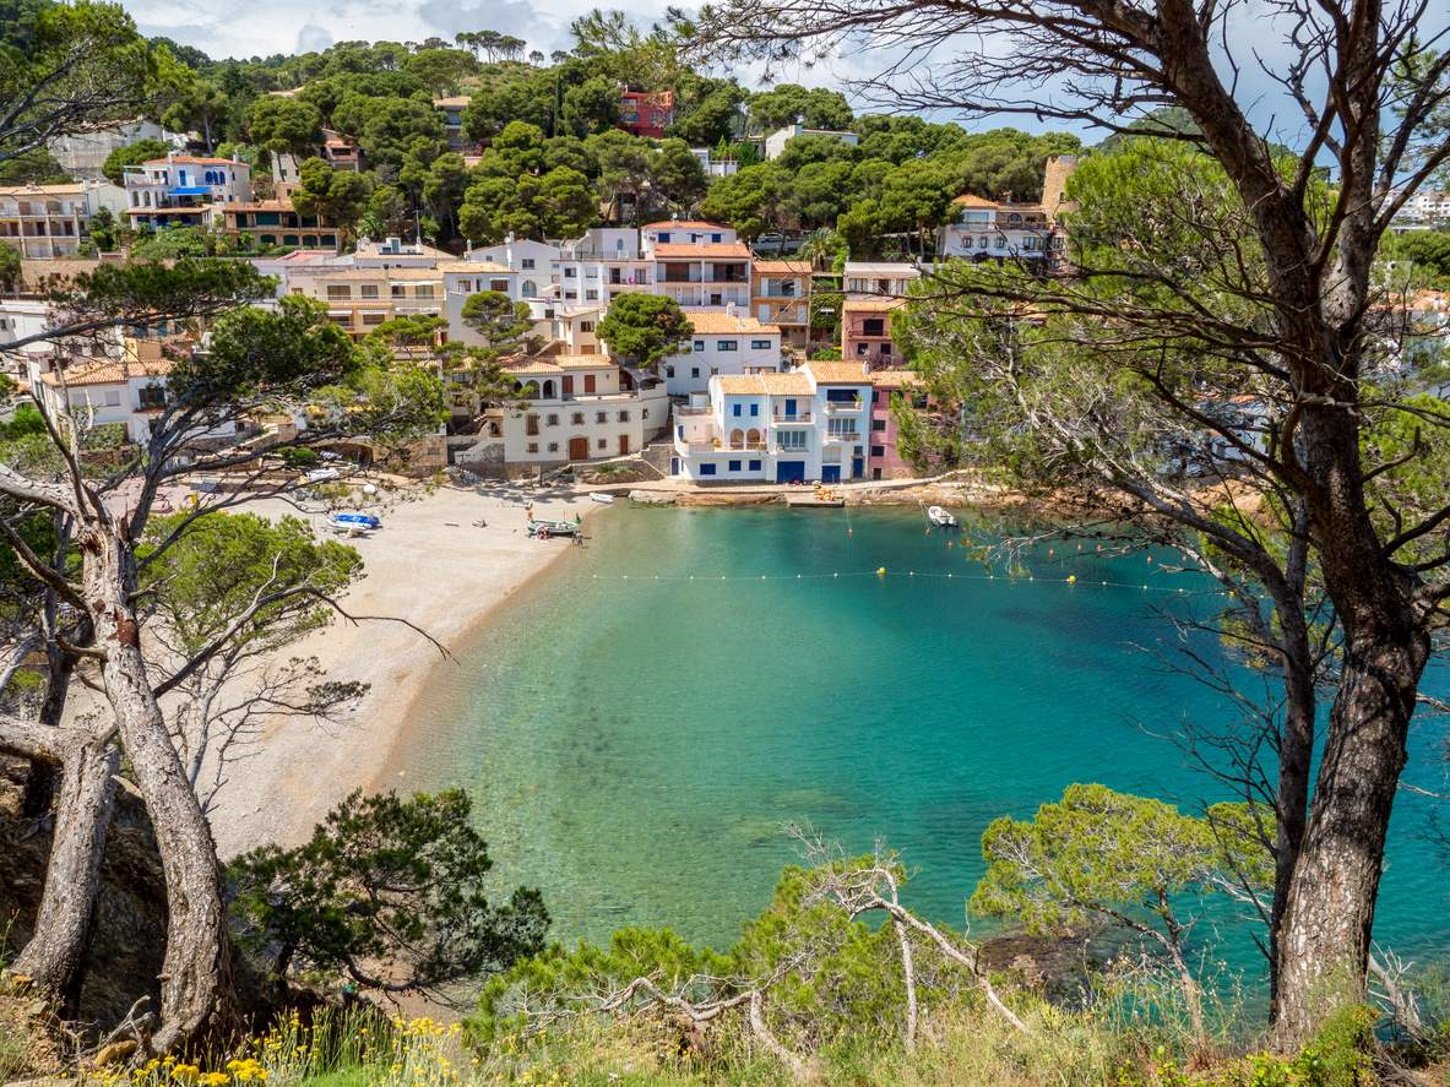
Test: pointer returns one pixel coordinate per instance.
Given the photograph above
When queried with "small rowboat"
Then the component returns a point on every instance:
(940, 517)
(542, 530)
(602, 498)
(354, 523)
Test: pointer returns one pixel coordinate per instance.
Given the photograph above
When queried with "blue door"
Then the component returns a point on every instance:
(830, 473)
(858, 467)
(790, 409)
(790, 471)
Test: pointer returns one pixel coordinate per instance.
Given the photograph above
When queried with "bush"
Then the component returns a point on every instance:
(300, 458)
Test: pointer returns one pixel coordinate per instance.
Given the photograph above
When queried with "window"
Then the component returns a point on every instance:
(368, 290)
(727, 345)
(498, 285)
(755, 466)
(886, 349)
(873, 326)
(715, 237)
(737, 410)
(878, 451)
(571, 273)
(586, 326)
(708, 469)
(878, 424)
(792, 439)
(577, 419)
(694, 371)
(734, 466)
(841, 428)
(336, 294)
(527, 264)
(601, 444)
(754, 410)
(531, 425)
(591, 295)
(669, 371)
(624, 416)
(532, 447)
(372, 319)
(982, 242)
(553, 447)
(112, 398)
(601, 416)
(1001, 242)
(699, 345)
(551, 420)
(424, 290)
(842, 396)
(664, 236)
(398, 291)
(760, 345)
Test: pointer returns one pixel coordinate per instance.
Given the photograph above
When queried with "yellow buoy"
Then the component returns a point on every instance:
(880, 571)
(1072, 579)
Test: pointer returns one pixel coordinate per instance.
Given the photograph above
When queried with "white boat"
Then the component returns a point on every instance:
(940, 517)
(602, 498)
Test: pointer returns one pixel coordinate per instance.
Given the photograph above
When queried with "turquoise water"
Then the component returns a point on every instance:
(635, 739)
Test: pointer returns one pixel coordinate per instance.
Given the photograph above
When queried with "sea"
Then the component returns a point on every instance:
(640, 725)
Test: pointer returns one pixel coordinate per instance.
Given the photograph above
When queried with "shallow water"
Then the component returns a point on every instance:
(637, 727)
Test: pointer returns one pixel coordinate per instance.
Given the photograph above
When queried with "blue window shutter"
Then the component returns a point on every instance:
(754, 409)
(736, 412)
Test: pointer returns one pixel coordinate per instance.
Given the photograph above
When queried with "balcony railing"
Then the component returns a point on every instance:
(790, 448)
(802, 416)
(691, 409)
(843, 407)
(847, 437)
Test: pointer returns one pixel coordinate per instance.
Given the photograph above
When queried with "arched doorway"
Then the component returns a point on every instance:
(752, 438)
(737, 439)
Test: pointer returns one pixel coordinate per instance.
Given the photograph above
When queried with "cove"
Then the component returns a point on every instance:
(636, 727)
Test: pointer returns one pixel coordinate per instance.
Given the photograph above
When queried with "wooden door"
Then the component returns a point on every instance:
(623, 444)
(568, 384)
(588, 383)
(578, 448)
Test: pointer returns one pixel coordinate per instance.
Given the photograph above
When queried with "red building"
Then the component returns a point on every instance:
(646, 113)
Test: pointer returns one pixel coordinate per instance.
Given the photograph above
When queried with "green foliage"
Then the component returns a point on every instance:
(442, 71)
(339, 195)
(818, 107)
(1429, 250)
(753, 200)
(293, 346)
(645, 328)
(499, 320)
(25, 423)
(528, 99)
(10, 267)
(171, 243)
(34, 167)
(300, 457)
(283, 124)
(557, 204)
(133, 154)
(592, 106)
(389, 892)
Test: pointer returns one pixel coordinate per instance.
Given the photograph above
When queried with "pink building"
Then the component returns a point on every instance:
(866, 332)
(884, 461)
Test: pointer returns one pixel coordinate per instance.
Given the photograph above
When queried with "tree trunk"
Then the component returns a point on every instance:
(54, 958)
(196, 964)
(1323, 947)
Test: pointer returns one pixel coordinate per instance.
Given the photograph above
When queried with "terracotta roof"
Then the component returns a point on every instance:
(456, 102)
(533, 366)
(72, 189)
(463, 267)
(783, 267)
(195, 160)
(713, 322)
(838, 373)
(109, 373)
(791, 383)
(343, 272)
(261, 205)
(684, 224)
(872, 305)
(736, 250)
(895, 379)
(967, 200)
(589, 361)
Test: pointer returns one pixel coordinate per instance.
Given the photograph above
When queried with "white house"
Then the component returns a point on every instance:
(570, 407)
(722, 343)
(810, 424)
(712, 166)
(986, 230)
(699, 265)
(686, 232)
(891, 278)
(535, 265)
(603, 264)
(776, 141)
(393, 252)
(184, 190)
(464, 278)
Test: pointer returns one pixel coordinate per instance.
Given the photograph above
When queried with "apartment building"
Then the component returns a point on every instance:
(884, 460)
(264, 224)
(808, 424)
(646, 113)
(722, 344)
(780, 295)
(50, 222)
(699, 264)
(889, 278)
(464, 278)
(535, 265)
(452, 110)
(866, 331)
(184, 190)
(360, 299)
(988, 230)
(569, 408)
(605, 263)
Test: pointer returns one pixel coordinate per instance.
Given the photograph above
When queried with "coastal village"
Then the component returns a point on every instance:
(334, 386)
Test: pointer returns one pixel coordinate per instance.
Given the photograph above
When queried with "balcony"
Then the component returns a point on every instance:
(845, 437)
(690, 409)
(781, 418)
(844, 407)
(781, 448)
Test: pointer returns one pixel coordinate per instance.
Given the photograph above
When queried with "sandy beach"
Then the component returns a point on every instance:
(430, 565)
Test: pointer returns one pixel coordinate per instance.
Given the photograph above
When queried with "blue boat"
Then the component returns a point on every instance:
(355, 521)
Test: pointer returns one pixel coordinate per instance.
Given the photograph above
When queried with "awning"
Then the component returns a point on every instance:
(192, 190)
